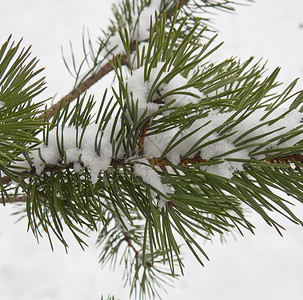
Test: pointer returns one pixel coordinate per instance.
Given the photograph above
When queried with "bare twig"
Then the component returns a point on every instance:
(142, 135)
(83, 86)
(18, 199)
(6, 180)
(130, 244)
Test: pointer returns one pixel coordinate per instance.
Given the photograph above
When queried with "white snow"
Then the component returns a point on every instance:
(147, 15)
(139, 91)
(74, 152)
(285, 123)
(114, 45)
(141, 33)
(143, 169)
(175, 89)
(250, 267)
(213, 148)
(146, 171)
(203, 133)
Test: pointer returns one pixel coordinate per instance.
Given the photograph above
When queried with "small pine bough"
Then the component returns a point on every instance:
(174, 152)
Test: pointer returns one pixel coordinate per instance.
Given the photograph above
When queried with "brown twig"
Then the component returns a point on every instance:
(90, 81)
(287, 159)
(130, 243)
(142, 135)
(7, 180)
(115, 163)
(171, 12)
(18, 199)
(82, 87)
(104, 70)
(161, 162)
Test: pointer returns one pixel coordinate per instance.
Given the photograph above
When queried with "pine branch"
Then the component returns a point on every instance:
(104, 70)
(172, 152)
(161, 162)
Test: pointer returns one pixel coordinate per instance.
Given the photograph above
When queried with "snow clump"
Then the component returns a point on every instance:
(212, 147)
(143, 169)
(49, 154)
(176, 89)
(141, 33)
(147, 15)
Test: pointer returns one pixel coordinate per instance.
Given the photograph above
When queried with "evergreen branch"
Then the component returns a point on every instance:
(205, 160)
(82, 87)
(127, 237)
(115, 163)
(18, 87)
(5, 180)
(161, 162)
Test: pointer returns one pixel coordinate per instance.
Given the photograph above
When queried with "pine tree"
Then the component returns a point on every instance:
(173, 154)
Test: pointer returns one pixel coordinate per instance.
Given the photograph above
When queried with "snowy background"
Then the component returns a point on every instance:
(264, 266)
